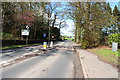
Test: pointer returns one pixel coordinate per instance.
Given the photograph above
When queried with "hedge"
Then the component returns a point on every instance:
(22, 42)
(114, 38)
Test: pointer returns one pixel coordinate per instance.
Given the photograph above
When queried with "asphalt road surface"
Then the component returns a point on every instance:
(13, 53)
(56, 63)
(9, 54)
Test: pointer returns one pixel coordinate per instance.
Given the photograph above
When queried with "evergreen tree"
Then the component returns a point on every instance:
(109, 8)
(115, 11)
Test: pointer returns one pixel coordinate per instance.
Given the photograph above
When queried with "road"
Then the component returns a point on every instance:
(13, 53)
(9, 54)
(56, 63)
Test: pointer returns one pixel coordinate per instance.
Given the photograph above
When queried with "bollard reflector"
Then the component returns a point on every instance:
(45, 45)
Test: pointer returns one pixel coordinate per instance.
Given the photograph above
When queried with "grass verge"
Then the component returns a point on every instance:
(18, 46)
(107, 55)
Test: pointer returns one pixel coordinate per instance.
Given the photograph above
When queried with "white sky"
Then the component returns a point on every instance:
(67, 31)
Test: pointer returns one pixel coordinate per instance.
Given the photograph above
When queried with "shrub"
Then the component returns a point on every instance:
(114, 38)
(84, 44)
(6, 36)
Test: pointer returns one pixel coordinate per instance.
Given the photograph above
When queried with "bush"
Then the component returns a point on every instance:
(6, 36)
(84, 44)
(114, 38)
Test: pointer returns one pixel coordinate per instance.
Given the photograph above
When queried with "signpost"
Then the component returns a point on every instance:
(44, 43)
(27, 27)
(44, 35)
(25, 32)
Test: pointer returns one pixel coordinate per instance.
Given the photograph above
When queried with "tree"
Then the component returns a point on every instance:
(8, 17)
(109, 8)
(115, 11)
(16, 15)
(89, 19)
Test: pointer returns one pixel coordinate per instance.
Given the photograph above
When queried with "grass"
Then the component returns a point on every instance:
(107, 55)
(16, 46)
(106, 52)
(68, 38)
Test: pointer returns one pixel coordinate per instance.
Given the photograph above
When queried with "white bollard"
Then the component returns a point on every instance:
(51, 44)
(45, 45)
(114, 46)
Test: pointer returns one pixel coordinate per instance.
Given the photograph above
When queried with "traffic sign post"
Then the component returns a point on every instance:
(25, 32)
(44, 35)
(27, 27)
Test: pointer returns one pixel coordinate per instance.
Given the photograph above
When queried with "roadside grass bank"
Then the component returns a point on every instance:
(18, 46)
(107, 55)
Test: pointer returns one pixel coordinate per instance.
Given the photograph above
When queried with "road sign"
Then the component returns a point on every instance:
(27, 27)
(25, 32)
(44, 35)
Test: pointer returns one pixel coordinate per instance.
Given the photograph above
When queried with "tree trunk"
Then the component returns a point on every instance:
(54, 20)
(35, 32)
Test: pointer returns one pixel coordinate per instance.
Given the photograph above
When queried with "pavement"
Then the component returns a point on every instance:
(93, 67)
